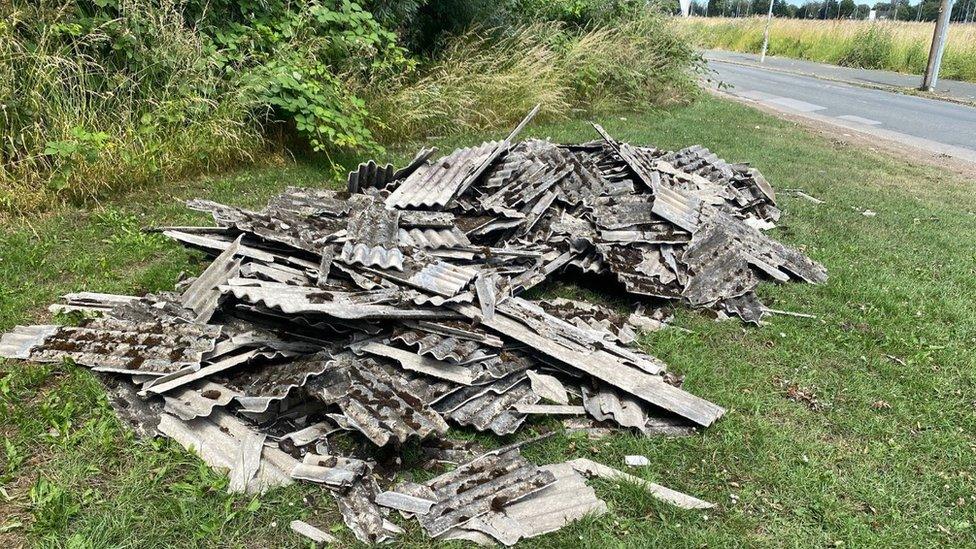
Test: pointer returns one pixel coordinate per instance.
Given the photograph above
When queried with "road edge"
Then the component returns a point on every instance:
(875, 139)
(867, 85)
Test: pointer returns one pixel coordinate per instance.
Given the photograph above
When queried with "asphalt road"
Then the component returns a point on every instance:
(937, 126)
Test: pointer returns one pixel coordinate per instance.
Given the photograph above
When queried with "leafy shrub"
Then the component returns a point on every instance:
(110, 94)
(91, 103)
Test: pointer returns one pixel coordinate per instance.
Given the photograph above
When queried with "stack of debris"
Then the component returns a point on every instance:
(331, 324)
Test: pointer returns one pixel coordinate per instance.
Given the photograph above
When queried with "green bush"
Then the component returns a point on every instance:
(91, 102)
(109, 94)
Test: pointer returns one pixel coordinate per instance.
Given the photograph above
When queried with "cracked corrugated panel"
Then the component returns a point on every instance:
(442, 277)
(333, 471)
(372, 235)
(200, 400)
(277, 225)
(225, 442)
(679, 207)
(589, 263)
(591, 316)
(343, 305)
(91, 302)
(489, 407)
(639, 160)
(478, 487)
(548, 387)
(362, 516)
(369, 175)
(566, 500)
(746, 306)
(613, 213)
(409, 360)
(436, 184)
(419, 160)
(555, 339)
(433, 238)
(203, 294)
(641, 269)
(606, 404)
(281, 274)
(189, 375)
(376, 400)
(444, 347)
(113, 345)
(217, 245)
(725, 254)
(304, 201)
(701, 161)
(297, 442)
(139, 414)
(421, 219)
(258, 386)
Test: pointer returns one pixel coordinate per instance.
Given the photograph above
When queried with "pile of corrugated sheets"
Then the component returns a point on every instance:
(332, 327)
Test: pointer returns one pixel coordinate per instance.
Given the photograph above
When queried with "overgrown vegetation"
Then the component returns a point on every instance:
(480, 81)
(884, 458)
(901, 46)
(108, 95)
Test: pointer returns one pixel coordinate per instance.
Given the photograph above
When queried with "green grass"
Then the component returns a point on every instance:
(886, 461)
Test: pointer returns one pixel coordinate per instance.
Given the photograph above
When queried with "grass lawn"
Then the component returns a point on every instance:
(857, 428)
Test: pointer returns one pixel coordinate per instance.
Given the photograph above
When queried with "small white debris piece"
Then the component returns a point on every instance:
(869, 213)
(549, 409)
(759, 224)
(636, 461)
(315, 534)
(548, 387)
(404, 502)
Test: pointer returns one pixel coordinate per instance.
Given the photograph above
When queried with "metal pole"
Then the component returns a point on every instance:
(938, 46)
(769, 18)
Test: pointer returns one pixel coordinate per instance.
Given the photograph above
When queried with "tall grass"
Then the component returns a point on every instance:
(74, 126)
(898, 46)
(481, 80)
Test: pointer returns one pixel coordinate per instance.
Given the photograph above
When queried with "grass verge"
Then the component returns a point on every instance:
(854, 429)
(896, 46)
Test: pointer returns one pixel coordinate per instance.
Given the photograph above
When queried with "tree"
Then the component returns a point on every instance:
(809, 10)
(847, 8)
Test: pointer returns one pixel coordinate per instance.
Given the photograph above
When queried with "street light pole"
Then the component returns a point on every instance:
(938, 46)
(769, 18)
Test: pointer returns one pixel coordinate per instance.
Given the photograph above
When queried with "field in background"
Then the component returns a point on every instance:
(854, 429)
(895, 46)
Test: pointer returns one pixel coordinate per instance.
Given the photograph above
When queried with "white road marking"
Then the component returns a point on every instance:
(756, 95)
(859, 120)
(795, 104)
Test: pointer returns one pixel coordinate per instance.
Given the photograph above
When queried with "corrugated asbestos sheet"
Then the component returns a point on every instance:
(436, 184)
(334, 337)
(372, 235)
(111, 345)
(369, 175)
(476, 488)
(377, 401)
(567, 499)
